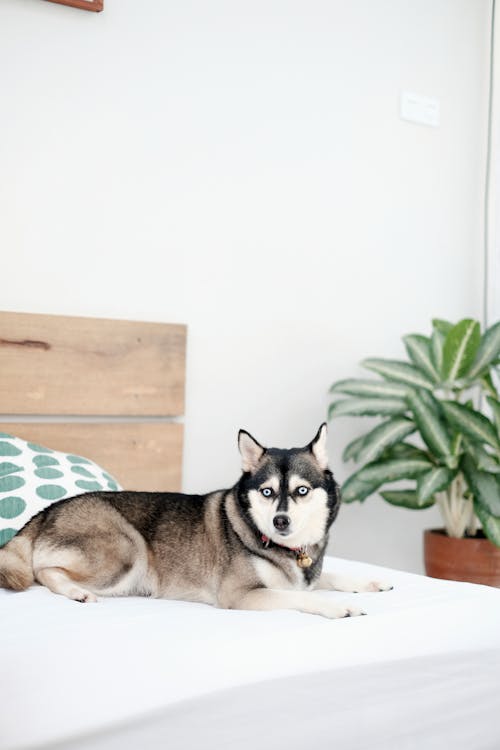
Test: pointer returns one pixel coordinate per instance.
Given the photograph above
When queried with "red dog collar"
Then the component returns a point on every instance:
(303, 559)
(266, 541)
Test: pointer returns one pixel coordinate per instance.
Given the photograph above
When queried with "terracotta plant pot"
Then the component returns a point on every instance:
(473, 559)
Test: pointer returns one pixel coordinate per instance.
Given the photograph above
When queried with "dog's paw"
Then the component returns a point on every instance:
(363, 586)
(335, 582)
(379, 586)
(82, 596)
(353, 611)
(337, 611)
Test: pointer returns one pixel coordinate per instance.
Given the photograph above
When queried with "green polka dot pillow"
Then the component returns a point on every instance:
(32, 477)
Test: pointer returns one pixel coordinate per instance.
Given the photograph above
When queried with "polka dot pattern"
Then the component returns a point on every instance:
(6, 535)
(7, 449)
(12, 506)
(33, 476)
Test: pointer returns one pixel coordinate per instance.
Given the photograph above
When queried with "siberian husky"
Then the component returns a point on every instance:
(258, 545)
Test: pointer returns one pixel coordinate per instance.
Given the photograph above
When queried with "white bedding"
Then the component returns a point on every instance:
(71, 671)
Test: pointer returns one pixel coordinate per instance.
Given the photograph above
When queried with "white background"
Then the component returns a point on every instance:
(240, 166)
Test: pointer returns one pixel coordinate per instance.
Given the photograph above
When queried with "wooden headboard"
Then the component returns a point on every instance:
(111, 390)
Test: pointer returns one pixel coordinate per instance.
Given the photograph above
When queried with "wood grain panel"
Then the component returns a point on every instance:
(52, 364)
(140, 455)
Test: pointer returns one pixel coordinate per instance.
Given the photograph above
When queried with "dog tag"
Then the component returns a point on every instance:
(303, 560)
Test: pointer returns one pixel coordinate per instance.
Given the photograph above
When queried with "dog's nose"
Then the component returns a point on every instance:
(281, 522)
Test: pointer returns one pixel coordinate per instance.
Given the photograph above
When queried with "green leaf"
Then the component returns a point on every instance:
(352, 449)
(367, 407)
(401, 372)
(355, 489)
(487, 384)
(406, 499)
(391, 471)
(382, 436)
(488, 351)
(472, 423)
(460, 348)
(484, 486)
(366, 480)
(426, 414)
(456, 443)
(435, 480)
(419, 351)
(404, 450)
(437, 344)
(443, 326)
(483, 460)
(370, 388)
(490, 524)
(430, 401)
(495, 408)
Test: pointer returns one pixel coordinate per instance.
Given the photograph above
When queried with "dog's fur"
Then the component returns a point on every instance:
(227, 548)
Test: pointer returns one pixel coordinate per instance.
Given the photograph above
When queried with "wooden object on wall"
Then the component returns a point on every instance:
(96, 5)
(90, 366)
(56, 368)
(141, 455)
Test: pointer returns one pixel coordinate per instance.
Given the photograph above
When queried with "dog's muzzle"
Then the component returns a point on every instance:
(281, 522)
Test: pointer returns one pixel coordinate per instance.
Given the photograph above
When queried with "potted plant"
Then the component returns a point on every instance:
(440, 429)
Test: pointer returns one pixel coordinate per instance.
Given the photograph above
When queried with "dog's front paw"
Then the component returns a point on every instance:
(335, 582)
(336, 611)
(351, 611)
(375, 586)
(361, 587)
(82, 596)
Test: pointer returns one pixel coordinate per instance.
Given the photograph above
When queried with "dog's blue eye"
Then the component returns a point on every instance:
(267, 492)
(302, 491)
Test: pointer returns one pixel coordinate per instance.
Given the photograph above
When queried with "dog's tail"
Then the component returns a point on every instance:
(16, 558)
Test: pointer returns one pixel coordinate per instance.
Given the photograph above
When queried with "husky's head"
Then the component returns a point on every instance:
(289, 496)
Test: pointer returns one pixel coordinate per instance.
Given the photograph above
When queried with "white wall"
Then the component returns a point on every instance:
(240, 166)
(492, 306)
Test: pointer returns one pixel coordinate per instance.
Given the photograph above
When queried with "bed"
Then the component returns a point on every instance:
(422, 670)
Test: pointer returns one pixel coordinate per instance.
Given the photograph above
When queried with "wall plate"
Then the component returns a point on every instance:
(420, 109)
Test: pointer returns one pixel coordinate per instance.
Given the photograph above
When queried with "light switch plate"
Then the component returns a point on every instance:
(420, 109)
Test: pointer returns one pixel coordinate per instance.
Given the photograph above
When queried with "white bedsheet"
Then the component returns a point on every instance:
(428, 703)
(69, 670)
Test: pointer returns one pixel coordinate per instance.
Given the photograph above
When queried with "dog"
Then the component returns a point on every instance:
(257, 546)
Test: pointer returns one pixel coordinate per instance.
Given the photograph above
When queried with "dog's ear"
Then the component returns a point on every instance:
(251, 451)
(318, 447)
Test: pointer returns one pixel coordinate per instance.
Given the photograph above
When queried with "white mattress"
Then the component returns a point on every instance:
(94, 675)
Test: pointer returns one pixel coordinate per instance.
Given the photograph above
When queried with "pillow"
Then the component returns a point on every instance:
(32, 477)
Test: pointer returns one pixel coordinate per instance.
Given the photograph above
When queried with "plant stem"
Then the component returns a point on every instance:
(472, 524)
(444, 507)
(457, 511)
